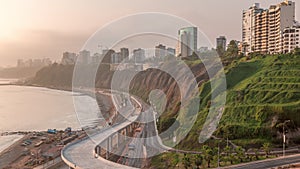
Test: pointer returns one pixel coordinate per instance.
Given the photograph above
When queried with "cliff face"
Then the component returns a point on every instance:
(19, 72)
(172, 85)
(59, 76)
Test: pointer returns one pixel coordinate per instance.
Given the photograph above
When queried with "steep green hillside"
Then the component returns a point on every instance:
(262, 93)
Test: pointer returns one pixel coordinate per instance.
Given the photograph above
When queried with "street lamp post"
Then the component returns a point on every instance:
(218, 154)
(283, 137)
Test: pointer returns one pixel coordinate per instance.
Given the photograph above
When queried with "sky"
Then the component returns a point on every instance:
(47, 28)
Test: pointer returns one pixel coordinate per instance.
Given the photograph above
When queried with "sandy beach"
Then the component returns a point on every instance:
(6, 141)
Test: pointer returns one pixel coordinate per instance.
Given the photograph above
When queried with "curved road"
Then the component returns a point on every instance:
(80, 154)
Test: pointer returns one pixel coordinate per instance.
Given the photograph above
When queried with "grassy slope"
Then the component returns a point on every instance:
(257, 91)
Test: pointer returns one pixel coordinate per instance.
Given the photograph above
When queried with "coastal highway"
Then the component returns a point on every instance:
(79, 155)
(147, 142)
(270, 163)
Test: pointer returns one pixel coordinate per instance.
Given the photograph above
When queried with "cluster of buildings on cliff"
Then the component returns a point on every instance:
(21, 63)
(186, 46)
(264, 31)
(270, 31)
(137, 59)
(115, 57)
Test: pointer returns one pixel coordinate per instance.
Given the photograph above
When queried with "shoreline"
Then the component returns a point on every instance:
(10, 156)
(8, 141)
(66, 89)
(33, 149)
(56, 88)
(10, 133)
(32, 130)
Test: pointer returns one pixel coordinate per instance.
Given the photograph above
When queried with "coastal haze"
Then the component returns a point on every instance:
(149, 84)
(47, 28)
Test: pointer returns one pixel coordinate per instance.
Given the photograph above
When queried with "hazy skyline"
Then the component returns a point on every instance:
(47, 28)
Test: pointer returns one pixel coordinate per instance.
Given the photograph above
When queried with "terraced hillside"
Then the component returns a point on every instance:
(262, 93)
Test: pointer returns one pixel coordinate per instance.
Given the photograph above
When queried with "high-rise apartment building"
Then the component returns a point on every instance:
(124, 53)
(281, 16)
(116, 58)
(187, 41)
(68, 58)
(139, 55)
(84, 57)
(119, 57)
(291, 39)
(221, 43)
(248, 32)
(160, 51)
(263, 28)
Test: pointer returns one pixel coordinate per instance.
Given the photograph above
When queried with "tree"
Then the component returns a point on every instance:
(207, 154)
(231, 158)
(232, 50)
(198, 160)
(256, 151)
(266, 148)
(240, 153)
(227, 151)
(186, 161)
(215, 152)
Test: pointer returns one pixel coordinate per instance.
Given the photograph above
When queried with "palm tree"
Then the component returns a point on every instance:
(231, 158)
(240, 153)
(266, 148)
(186, 161)
(256, 151)
(215, 157)
(227, 151)
(198, 160)
(208, 154)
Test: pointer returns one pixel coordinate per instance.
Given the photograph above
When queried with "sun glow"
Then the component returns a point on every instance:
(10, 19)
(5, 34)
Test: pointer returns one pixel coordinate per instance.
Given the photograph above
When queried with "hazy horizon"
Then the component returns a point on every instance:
(39, 29)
